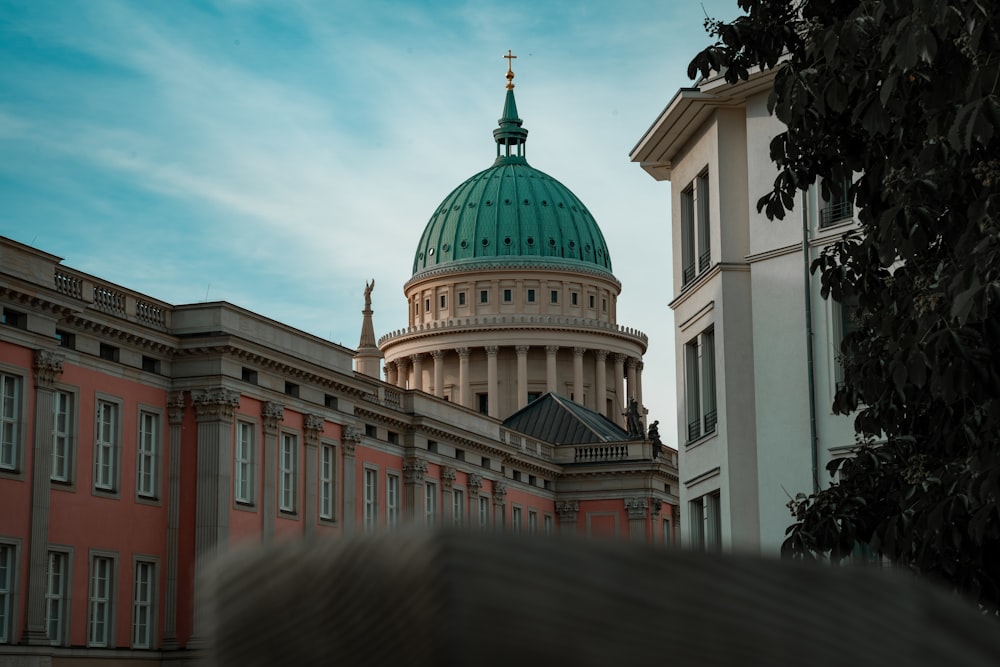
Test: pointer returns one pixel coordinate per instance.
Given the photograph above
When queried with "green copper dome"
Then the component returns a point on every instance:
(511, 214)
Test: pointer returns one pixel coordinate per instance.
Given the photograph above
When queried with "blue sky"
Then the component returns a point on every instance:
(277, 155)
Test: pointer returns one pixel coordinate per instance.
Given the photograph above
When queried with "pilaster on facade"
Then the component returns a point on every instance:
(312, 430)
(175, 417)
(402, 372)
(417, 362)
(463, 376)
(568, 510)
(350, 438)
(438, 357)
(601, 381)
(47, 366)
(414, 471)
(448, 476)
(550, 368)
(638, 513)
(578, 374)
(492, 396)
(271, 415)
(499, 505)
(522, 375)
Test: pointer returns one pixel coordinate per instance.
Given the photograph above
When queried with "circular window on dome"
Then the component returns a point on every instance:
(464, 243)
(430, 253)
(587, 247)
(472, 204)
(420, 255)
(506, 240)
(531, 240)
(526, 202)
(552, 242)
(561, 205)
(506, 201)
(574, 208)
(489, 202)
(544, 203)
(572, 244)
(445, 248)
(455, 207)
(486, 242)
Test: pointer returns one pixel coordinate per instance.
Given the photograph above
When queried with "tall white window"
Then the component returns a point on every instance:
(326, 485)
(371, 499)
(430, 503)
(100, 613)
(10, 413)
(288, 472)
(244, 471)
(696, 250)
(6, 592)
(484, 513)
(532, 522)
(548, 524)
(148, 454)
(392, 500)
(142, 604)
(55, 597)
(62, 443)
(106, 446)
(706, 522)
(458, 507)
(846, 322)
(515, 519)
(699, 369)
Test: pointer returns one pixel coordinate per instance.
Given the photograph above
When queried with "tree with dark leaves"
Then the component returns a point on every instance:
(901, 98)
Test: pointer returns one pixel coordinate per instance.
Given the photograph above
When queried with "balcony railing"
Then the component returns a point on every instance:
(111, 299)
(835, 212)
(499, 320)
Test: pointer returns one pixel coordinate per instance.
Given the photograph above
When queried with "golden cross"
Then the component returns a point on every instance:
(510, 72)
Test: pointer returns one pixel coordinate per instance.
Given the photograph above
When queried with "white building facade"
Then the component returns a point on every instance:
(756, 345)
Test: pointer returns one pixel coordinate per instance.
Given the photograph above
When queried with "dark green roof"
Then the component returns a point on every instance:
(513, 214)
(560, 421)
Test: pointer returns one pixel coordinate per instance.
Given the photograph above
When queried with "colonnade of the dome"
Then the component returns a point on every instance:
(500, 379)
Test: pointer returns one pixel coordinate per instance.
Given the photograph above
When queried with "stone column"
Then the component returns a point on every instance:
(550, 367)
(463, 376)
(567, 511)
(175, 415)
(492, 397)
(578, 374)
(414, 470)
(630, 369)
(402, 373)
(418, 371)
(391, 375)
(447, 499)
(638, 387)
(473, 485)
(214, 409)
(271, 414)
(522, 375)
(350, 437)
(618, 417)
(312, 432)
(638, 510)
(438, 356)
(499, 505)
(601, 382)
(47, 365)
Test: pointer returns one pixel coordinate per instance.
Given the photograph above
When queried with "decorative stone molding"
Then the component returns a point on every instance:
(313, 427)
(474, 483)
(578, 351)
(636, 507)
(499, 493)
(491, 350)
(175, 407)
(414, 470)
(416, 357)
(216, 403)
(620, 357)
(655, 506)
(48, 365)
(447, 477)
(601, 355)
(437, 355)
(463, 352)
(551, 349)
(567, 510)
(272, 413)
(350, 436)
(631, 363)
(522, 349)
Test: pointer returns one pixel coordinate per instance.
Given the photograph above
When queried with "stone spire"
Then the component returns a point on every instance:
(368, 357)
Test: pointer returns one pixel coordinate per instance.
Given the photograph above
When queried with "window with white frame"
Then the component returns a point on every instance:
(327, 466)
(706, 522)
(244, 468)
(288, 471)
(106, 446)
(484, 512)
(143, 604)
(458, 508)
(836, 203)
(532, 522)
(371, 499)
(392, 500)
(696, 250)
(10, 421)
(547, 523)
(515, 519)
(7, 570)
(430, 503)
(699, 370)
(148, 455)
(56, 594)
(62, 437)
(100, 614)
(845, 322)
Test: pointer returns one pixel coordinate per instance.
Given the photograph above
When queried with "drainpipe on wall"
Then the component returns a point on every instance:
(810, 366)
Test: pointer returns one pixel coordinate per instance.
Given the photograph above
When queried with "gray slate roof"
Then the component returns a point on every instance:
(560, 421)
